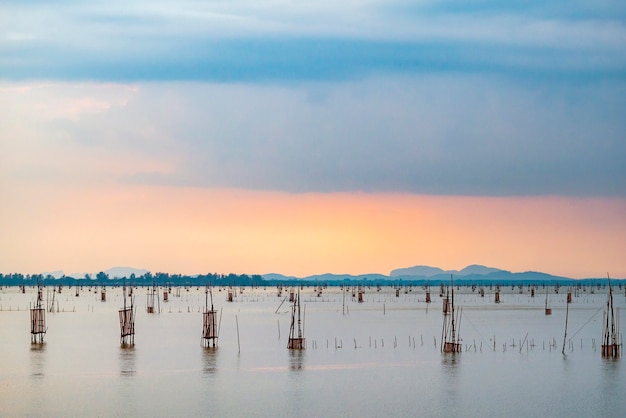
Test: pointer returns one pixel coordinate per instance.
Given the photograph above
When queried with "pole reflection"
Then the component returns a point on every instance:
(127, 361)
(209, 360)
(296, 360)
(38, 360)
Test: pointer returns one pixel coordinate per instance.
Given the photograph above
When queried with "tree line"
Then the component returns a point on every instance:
(102, 278)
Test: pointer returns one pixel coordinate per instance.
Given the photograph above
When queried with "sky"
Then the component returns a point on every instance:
(306, 137)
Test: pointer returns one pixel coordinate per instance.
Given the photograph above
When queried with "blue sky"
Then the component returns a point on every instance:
(431, 97)
(287, 40)
(312, 136)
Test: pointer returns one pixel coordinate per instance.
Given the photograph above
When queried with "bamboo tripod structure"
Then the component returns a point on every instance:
(451, 325)
(38, 326)
(127, 322)
(296, 338)
(210, 331)
(611, 343)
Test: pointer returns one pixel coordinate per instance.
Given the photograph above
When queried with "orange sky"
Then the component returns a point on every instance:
(70, 199)
(194, 230)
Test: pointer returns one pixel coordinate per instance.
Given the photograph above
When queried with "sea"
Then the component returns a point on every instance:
(380, 357)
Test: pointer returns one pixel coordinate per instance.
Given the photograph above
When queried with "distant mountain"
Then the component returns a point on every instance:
(56, 274)
(113, 273)
(478, 269)
(334, 277)
(433, 276)
(327, 277)
(119, 272)
(426, 271)
(473, 273)
(278, 277)
(539, 277)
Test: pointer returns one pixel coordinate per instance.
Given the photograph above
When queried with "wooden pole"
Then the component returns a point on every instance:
(281, 304)
(565, 335)
(219, 327)
(521, 345)
(238, 345)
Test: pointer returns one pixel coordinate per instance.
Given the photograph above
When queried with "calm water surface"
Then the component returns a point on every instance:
(381, 358)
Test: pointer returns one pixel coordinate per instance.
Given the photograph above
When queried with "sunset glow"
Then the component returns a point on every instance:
(191, 230)
(353, 138)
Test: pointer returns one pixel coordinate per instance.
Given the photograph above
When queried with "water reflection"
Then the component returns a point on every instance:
(127, 361)
(451, 363)
(209, 360)
(610, 375)
(37, 360)
(296, 360)
(451, 380)
(610, 365)
(612, 388)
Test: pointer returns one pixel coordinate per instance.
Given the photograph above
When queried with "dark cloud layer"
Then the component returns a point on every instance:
(433, 135)
(247, 41)
(443, 97)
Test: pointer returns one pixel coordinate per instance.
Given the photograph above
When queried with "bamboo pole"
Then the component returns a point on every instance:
(238, 345)
(565, 335)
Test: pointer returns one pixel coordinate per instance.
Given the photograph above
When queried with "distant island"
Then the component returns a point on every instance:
(426, 271)
(419, 275)
(422, 275)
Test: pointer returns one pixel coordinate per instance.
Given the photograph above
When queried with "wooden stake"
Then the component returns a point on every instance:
(238, 345)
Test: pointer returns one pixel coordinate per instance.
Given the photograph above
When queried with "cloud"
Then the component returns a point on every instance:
(323, 40)
(435, 134)
(428, 135)
(53, 133)
(436, 97)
